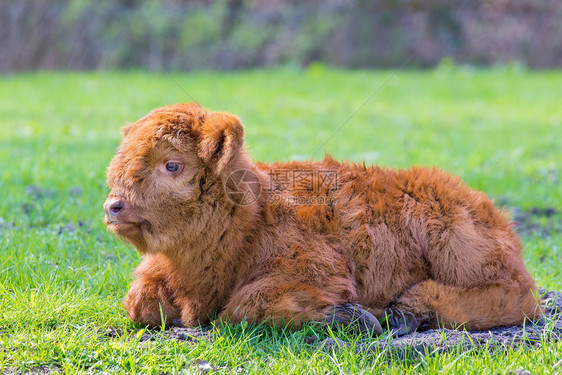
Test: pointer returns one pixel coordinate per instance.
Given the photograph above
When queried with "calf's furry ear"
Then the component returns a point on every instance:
(221, 137)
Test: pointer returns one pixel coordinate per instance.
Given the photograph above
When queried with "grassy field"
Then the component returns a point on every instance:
(62, 276)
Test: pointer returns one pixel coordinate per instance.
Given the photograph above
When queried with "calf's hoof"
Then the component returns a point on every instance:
(400, 323)
(177, 323)
(353, 315)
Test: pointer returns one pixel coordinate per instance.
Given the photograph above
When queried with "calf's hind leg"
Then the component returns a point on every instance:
(477, 279)
(430, 304)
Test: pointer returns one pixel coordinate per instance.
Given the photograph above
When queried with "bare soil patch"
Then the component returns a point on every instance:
(540, 221)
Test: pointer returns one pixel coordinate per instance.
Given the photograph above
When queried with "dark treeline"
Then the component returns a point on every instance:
(234, 34)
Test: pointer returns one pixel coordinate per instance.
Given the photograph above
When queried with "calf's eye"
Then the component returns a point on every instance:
(173, 166)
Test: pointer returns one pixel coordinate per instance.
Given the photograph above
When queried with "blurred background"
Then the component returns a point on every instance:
(240, 34)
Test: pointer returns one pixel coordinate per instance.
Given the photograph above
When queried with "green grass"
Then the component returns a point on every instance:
(60, 289)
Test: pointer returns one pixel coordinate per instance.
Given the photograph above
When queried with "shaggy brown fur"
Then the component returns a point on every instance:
(417, 244)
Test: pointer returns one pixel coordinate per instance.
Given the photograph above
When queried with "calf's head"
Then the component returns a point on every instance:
(167, 171)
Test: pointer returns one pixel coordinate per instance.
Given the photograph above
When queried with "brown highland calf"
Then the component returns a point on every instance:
(287, 243)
